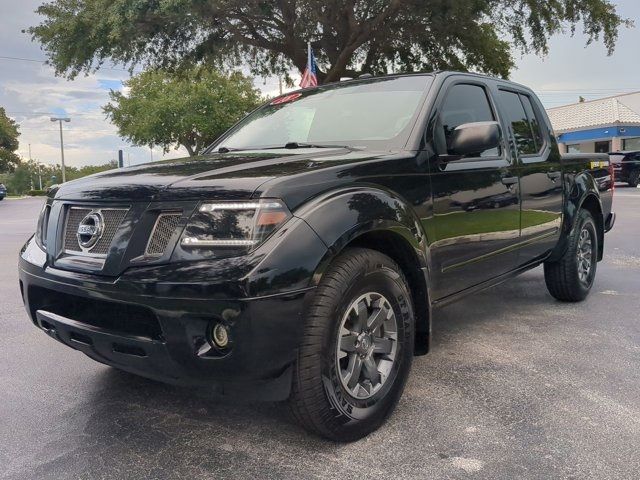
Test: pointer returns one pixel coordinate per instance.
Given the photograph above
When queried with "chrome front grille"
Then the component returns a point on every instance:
(112, 219)
(162, 231)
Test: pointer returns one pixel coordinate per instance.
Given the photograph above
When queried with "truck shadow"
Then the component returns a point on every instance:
(527, 292)
(132, 417)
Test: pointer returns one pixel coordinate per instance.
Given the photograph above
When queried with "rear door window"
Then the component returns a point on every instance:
(516, 115)
(533, 121)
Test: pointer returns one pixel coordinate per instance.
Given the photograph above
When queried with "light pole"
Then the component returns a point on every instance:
(60, 120)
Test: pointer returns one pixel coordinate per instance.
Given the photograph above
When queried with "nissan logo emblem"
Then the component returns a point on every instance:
(90, 230)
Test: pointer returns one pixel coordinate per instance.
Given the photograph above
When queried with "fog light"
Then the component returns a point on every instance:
(220, 335)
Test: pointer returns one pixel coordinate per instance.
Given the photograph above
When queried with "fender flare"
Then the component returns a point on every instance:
(340, 216)
(346, 216)
(582, 189)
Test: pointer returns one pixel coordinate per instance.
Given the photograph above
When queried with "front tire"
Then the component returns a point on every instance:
(570, 279)
(357, 347)
(634, 178)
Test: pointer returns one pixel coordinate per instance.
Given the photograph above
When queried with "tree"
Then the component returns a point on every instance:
(190, 108)
(25, 175)
(9, 134)
(349, 37)
(20, 180)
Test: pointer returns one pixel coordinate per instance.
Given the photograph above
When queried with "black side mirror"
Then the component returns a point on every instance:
(474, 138)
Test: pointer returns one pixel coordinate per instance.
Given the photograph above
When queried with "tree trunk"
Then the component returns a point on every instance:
(190, 149)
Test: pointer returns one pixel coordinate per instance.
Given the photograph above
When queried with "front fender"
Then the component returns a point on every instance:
(376, 218)
(341, 216)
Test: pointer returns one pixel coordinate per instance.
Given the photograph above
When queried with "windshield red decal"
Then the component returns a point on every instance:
(286, 98)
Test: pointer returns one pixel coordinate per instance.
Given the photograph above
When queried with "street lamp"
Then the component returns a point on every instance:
(61, 119)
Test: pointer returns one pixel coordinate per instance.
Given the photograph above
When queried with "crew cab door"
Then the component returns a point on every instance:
(475, 224)
(540, 173)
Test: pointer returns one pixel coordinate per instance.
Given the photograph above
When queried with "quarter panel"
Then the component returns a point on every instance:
(578, 185)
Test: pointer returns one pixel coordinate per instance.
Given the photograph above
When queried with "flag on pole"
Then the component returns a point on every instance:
(309, 76)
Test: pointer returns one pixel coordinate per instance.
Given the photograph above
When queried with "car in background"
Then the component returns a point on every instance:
(626, 166)
(3, 191)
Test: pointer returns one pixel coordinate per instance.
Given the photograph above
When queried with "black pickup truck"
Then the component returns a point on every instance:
(303, 255)
(626, 167)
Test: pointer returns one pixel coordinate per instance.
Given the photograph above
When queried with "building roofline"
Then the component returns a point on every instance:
(597, 127)
(594, 100)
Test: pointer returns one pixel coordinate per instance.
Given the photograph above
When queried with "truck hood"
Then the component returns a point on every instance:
(218, 176)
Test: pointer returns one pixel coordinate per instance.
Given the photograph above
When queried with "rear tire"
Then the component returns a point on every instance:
(357, 347)
(571, 277)
(634, 178)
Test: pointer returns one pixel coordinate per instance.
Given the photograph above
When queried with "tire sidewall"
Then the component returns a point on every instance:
(586, 220)
(349, 411)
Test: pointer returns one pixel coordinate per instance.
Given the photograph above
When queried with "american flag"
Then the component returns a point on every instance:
(309, 77)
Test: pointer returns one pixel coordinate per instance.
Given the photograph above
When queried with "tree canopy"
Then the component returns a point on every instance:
(349, 37)
(191, 108)
(9, 160)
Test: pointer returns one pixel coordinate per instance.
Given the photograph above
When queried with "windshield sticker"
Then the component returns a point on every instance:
(286, 99)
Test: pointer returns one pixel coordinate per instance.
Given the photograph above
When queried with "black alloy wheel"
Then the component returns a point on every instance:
(357, 347)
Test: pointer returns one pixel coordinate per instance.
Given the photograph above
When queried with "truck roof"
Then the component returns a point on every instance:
(436, 73)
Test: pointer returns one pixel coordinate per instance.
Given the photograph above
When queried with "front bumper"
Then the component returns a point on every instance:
(159, 330)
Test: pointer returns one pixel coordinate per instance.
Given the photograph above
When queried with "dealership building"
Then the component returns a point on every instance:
(598, 126)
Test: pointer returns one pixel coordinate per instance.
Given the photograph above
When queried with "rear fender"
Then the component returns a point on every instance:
(580, 191)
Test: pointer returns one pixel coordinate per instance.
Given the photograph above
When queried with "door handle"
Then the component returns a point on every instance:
(553, 175)
(508, 181)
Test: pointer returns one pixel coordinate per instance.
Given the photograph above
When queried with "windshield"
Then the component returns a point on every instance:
(378, 113)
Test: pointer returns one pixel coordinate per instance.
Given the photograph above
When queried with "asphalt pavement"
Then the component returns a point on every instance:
(518, 386)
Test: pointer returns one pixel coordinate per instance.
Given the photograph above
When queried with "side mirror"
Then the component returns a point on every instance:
(474, 138)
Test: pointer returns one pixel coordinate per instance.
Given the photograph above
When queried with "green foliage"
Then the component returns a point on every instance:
(19, 181)
(24, 179)
(190, 109)
(349, 38)
(9, 160)
(37, 193)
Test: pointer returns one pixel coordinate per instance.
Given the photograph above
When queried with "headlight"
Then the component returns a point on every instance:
(236, 227)
(41, 229)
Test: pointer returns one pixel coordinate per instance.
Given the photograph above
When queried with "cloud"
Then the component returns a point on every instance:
(31, 94)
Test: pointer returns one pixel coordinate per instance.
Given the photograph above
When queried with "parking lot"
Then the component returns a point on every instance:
(517, 386)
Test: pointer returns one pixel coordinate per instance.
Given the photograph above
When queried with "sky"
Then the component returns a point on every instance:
(31, 93)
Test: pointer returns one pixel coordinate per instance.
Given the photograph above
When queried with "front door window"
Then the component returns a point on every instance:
(464, 104)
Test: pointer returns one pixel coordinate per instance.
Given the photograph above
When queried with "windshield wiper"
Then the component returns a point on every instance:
(289, 146)
(310, 145)
(227, 149)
